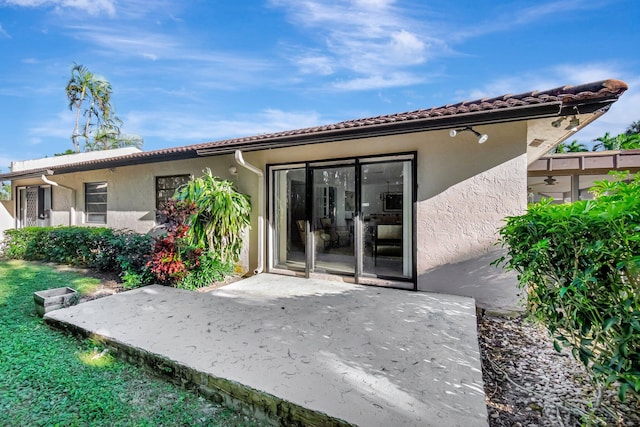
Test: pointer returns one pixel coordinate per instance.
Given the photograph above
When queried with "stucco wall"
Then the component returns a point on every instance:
(6, 216)
(130, 192)
(464, 190)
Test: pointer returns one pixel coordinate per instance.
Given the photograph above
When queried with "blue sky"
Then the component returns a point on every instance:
(185, 72)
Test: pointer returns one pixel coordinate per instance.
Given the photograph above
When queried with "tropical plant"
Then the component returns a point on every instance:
(573, 147)
(90, 95)
(560, 148)
(580, 266)
(120, 251)
(172, 255)
(222, 215)
(576, 147)
(5, 191)
(622, 141)
(634, 128)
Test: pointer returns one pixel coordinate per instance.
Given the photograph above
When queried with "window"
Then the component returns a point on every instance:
(166, 187)
(95, 202)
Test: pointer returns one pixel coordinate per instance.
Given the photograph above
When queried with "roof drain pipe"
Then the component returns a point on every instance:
(261, 208)
(72, 209)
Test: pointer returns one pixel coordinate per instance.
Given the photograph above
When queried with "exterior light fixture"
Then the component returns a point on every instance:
(574, 123)
(482, 138)
(558, 122)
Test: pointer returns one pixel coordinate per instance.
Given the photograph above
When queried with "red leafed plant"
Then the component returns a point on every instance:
(172, 257)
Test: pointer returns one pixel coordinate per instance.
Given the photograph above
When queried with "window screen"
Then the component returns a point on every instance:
(95, 201)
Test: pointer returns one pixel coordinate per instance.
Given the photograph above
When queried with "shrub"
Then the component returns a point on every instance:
(127, 253)
(65, 245)
(209, 269)
(580, 266)
(172, 255)
(222, 215)
(18, 243)
(121, 251)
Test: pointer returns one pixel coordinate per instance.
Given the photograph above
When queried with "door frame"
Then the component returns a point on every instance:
(357, 162)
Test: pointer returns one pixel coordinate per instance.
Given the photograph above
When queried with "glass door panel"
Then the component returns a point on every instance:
(332, 212)
(386, 209)
(289, 214)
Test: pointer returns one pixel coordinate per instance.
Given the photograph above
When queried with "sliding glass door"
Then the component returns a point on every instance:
(288, 238)
(351, 218)
(386, 214)
(332, 211)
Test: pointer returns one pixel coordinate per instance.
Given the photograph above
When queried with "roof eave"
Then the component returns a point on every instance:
(400, 127)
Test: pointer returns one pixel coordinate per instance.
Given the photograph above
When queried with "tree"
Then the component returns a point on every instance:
(620, 142)
(101, 128)
(5, 191)
(634, 128)
(560, 148)
(575, 147)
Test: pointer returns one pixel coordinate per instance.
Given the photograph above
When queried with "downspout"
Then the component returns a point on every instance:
(261, 208)
(72, 209)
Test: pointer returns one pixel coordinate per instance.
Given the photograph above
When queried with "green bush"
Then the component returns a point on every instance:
(210, 269)
(222, 214)
(65, 245)
(580, 266)
(121, 251)
(18, 243)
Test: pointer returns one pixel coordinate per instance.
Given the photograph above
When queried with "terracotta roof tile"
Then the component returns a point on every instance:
(606, 92)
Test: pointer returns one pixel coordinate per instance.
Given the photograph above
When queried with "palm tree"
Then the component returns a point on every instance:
(559, 149)
(634, 128)
(101, 129)
(100, 108)
(620, 142)
(575, 147)
(78, 90)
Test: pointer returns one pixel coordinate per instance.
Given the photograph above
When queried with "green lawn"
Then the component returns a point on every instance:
(50, 378)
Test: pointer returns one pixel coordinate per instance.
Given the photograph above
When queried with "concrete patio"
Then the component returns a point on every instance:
(304, 351)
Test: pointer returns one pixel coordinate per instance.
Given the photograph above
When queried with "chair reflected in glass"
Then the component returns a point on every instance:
(387, 241)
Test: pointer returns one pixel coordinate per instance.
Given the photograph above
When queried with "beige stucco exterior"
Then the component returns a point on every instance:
(464, 190)
(6, 216)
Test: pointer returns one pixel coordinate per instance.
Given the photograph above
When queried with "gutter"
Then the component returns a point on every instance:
(72, 209)
(261, 208)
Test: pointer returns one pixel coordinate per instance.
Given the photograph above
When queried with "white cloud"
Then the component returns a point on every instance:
(378, 4)
(92, 7)
(320, 65)
(615, 121)
(503, 17)
(184, 128)
(4, 34)
(378, 82)
(370, 38)
(406, 47)
(157, 46)
(59, 126)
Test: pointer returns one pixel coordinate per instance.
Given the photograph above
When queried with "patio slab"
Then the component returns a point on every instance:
(305, 351)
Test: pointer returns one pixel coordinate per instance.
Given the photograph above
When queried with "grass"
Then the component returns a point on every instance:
(50, 378)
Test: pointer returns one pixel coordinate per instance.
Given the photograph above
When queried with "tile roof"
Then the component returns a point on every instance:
(559, 101)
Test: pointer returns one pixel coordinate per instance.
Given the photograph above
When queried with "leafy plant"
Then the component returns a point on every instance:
(209, 270)
(121, 251)
(222, 215)
(580, 266)
(173, 256)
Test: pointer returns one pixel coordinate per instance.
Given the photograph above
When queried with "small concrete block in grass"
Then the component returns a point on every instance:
(53, 299)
